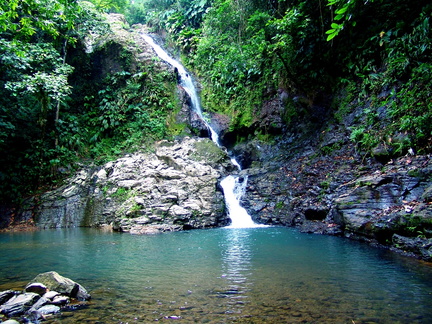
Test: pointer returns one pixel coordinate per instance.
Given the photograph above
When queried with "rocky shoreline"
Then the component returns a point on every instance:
(177, 188)
(384, 204)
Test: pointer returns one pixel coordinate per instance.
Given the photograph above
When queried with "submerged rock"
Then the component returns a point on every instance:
(49, 310)
(10, 321)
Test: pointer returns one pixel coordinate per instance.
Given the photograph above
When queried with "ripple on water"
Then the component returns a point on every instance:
(257, 275)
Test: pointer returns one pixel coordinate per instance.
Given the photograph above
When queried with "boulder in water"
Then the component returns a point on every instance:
(63, 285)
(56, 292)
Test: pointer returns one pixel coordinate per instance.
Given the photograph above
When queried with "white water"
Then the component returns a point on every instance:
(232, 186)
(234, 189)
(186, 83)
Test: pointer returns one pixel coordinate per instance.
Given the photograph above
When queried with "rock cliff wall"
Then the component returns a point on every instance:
(174, 188)
(320, 183)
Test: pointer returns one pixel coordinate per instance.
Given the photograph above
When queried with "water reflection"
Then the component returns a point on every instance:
(236, 268)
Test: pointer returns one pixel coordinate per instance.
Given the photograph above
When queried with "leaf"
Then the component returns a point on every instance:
(342, 10)
(331, 36)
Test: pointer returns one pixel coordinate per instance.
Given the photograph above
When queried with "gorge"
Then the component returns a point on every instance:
(218, 264)
(315, 181)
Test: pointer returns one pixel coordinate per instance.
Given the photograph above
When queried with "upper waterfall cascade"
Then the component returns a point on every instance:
(185, 81)
(233, 186)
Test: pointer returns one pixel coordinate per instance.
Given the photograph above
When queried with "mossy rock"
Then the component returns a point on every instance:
(207, 150)
(55, 282)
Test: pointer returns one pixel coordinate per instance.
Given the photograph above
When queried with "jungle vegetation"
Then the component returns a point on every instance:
(339, 54)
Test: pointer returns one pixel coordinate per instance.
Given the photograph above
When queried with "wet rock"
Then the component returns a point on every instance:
(417, 245)
(49, 310)
(6, 295)
(336, 191)
(220, 123)
(51, 294)
(36, 287)
(19, 304)
(373, 198)
(41, 302)
(60, 300)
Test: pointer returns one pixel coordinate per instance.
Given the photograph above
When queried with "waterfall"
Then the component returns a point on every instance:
(233, 186)
(185, 81)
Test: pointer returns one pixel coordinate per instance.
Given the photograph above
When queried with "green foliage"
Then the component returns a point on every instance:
(242, 51)
(122, 194)
(403, 88)
(415, 226)
(239, 49)
(128, 112)
(343, 13)
(34, 36)
(53, 111)
(110, 5)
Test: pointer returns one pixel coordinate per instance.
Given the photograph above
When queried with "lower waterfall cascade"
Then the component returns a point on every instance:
(233, 186)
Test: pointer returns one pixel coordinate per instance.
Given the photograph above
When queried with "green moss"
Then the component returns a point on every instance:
(207, 150)
(122, 194)
(279, 205)
(329, 149)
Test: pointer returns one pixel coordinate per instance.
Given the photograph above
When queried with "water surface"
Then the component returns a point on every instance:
(226, 275)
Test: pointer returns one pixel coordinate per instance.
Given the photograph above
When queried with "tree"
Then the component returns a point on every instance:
(34, 39)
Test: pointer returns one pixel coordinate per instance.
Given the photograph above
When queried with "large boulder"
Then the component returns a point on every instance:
(55, 282)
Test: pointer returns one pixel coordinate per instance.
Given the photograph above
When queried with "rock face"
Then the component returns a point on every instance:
(176, 186)
(335, 193)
